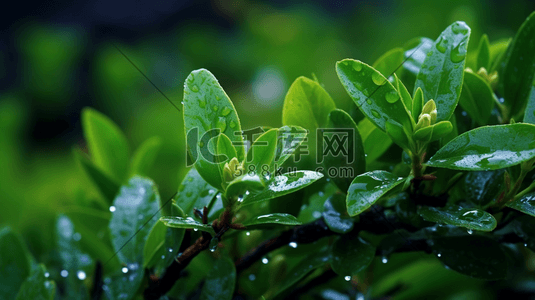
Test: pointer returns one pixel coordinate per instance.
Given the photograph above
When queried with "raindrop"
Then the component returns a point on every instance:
(439, 255)
(378, 79)
(357, 66)
(232, 124)
(392, 96)
(195, 88)
(525, 245)
(459, 27)
(252, 277)
(265, 260)
(64, 273)
(195, 229)
(163, 256)
(459, 52)
(293, 244)
(321, 194)
(464, 113)
(375, 113)
(124, 270)
(215, 108)
(112, 208)
(221, 123)
(470, 231)
(441, 44)
(81, 275)
(247, 233)
(225, 111)
(384, 260)
(202, 103)
(347, 278)
(369, 101)
(77, 236)
(316, 214)
(170, 250)
(247, 193)
(47, 274)
(240, 198)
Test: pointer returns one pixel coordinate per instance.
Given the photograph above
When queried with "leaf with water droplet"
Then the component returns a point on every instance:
(471, 218)
(359, 87)
(261, 154)
(335, 214)
(483, 53)
(518, 71)
(144, 156)
(529, 113)
(267, 221)
(375, 141)
(351, 254)
(487, 148)
(477, 98)
(439, 79)
(194, 193)
(525, 204)
(482, 187)
(476, 256)
(106, 185)
(15, 263)
(367, 188)
(37, 286)
(186, 223)
(220, 281)
(390, 62)
(289, 138)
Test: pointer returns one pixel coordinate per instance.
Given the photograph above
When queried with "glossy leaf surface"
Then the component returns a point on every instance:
(471, 218)
(14, 263)
(194, 192)
(335, 214)
(525, 204)
(351, 255)
(186, 223)
(274, 218)
(37, 286)
(145, 155)
(477, 98)
(220, 282)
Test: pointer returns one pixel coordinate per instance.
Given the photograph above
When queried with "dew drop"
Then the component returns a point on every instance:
(64, 273)
(470, 231)
(459, 52)
(247, 193)
(112, 208)
(194, 88)
(293, 244)
(77, 236)
(163, 256)
(252, 277)
(384, 260)
(525, 245)
(392, 96)
(247, 233)
(202, 103)
(170, 250)
(189, 194)
(459, 27)
(225, 111)
(347, 278)
(378, 79)
(81, 275)
(221, 123)
(240, 198)
(357, 66)
(213, 244)
(232, 124)
(442, 44)
(47, 274)
(439, 255)
(215, 108)
(375, 113)
(265, 260)
(369, 101)
(124, 270)
(429, 53)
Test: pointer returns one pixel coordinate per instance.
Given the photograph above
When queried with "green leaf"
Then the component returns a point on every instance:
(335, 214)
(404, 93)
(497, 53)
(125, 282)
(351, 254)
(374, 95)
(529, 113)
(243, 186)
(348, 164)
(220, 282)
(163, 243)
(390, 62)
(37, 286)
(207, 109)
(145, 156)
(397, 133)
(375, 141)
(282, 185)
(487, 148)
(107, 186)
(367, 188)
(261, 154)
(186, 223)
(417, 104)
(525, 204)
(14, 263)
(471, 218)
(275, 218)
(307, 105)
(225, 148)
(524, 227)
(289, 138)
(194, 192)
(416, 54)
(483, 53)
(136, 211)
(516, 79)
(107, 144)
(477, 98)
(441, 75)
(484, 186)
(475, 256)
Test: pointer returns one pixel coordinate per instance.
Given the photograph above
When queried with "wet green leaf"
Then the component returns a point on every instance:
(477, 98)
(307, 105)
(261, 154)
(516, 78)
(471, 218)
(37, 286)
(483, 186)
(351, 254)
(244, 185)
(529, 113)
(374, 95)
(351, 163)
(220, 282)
(107, 186)
(404, 93)
(441, 75)
(335, 214)
(487, 148)
(465, 255)
(367, 188)
(525, 204)
(186, 223)
(390, 62)
(194, 192)
(275, 218)
(14, 263)
(375, 141)
(144, 156)
(208, 162)
(281, 185)
(288, 140)
(107, 144)
(524, 227)
(483, 53)
(416, 54)
(136, 211)
(124, 283)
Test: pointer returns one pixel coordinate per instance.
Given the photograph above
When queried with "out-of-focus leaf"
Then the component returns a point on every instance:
(525, 204)
(105, 184)
(335, 214)
(524, 227)
(351, 255)
(261, 154)
(124, 283)
(186, 223)
(220, 282)
(483, 53)
(282, 185)
(274, 218)
(37, 286)
(14, 263)
(373, 94)
(441, 75)
(194, 192)
(144, 156)
(375, 141)
(389, 62)
(471, 218)
(487, 148)
(476, 256)
(529, 113)
(107, 144)
(416, 54)
(516, 78)
(307, 105)
(136, 211)
(367, 188)
(477, 98)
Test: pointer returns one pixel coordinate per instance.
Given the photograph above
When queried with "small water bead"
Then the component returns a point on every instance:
(247, 193)
(252, 277)
(369, 101)
(429, 53)
(240, 198)
(124, 270)
(357, 66)
(439, 255)
(459, 27)
(221, 123)
(384, 260)
(170, 250)
(470, 231)
(64, 273)
(293, 244)
(81, 275)
(163, 256)
(347, 278)
(459, 52)
(202, 103)
(247, 233)
(225, 111)
(215, 108)
(232, 124)
(442, 44)
(217, 97)
(194, 88)
(112, 208)
(378, 79)
(265, 260)
(392, 96)
(375, 113)
(189, 194)
(47, 274)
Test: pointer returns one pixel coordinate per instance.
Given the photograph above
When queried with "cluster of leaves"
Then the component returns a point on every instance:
(459, 182)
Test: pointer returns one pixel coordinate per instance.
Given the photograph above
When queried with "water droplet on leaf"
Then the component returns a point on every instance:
(378, 79)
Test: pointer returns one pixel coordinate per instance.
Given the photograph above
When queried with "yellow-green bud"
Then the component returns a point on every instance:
(482, 72)
(430, 108)
(231, 168)
(423, 121)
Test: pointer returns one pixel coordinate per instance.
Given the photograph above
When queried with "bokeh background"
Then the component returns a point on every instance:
(57, 57)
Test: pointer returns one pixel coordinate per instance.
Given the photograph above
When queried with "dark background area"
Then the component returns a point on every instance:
(57, 57)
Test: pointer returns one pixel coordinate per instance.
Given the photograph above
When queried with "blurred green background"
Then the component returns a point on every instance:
(60, 58)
